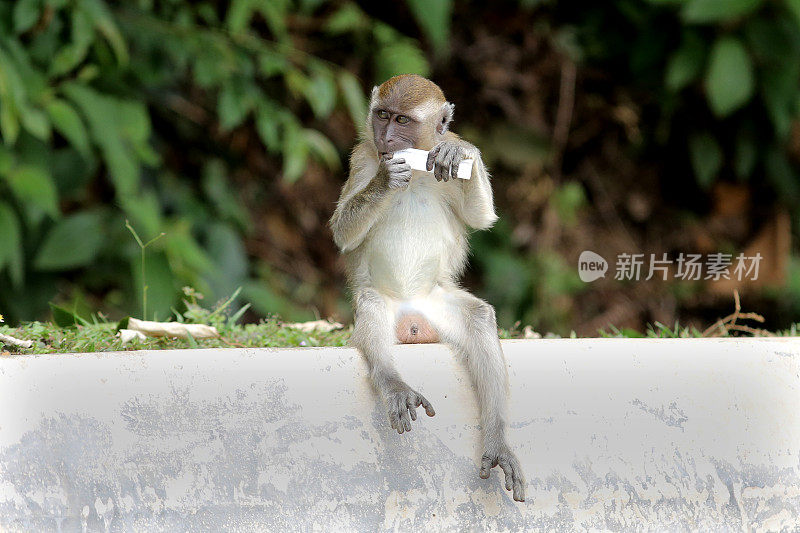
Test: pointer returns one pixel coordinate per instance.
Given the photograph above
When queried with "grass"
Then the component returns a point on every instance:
(48, 337)
(73, 334)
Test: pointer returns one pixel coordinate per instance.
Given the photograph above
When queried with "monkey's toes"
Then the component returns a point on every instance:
(403, 409)
(514, 478)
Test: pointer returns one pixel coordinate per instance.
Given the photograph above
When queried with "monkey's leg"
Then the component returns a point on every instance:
(469, 326)
(374, 335)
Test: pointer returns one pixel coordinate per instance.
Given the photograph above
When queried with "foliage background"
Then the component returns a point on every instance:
(658, 126)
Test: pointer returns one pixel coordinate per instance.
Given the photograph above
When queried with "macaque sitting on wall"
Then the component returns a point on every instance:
(403, 234)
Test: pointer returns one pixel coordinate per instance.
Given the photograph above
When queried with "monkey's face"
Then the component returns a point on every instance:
(408, 111)
(393, 131)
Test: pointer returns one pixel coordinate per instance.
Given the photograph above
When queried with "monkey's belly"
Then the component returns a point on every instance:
(407, 247)
(404, 275)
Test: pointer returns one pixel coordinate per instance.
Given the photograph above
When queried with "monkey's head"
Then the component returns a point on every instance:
(408, 111)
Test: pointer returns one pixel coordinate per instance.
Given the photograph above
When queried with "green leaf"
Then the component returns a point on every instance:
(295, 151)
(239, 15)
(65, 318)
(268, 125)
(33, 185)
(6, 160)
(233, 105)
(729, 78)
(276, 16)
(66, 59)
(26, 14)
(104, 115)
(348, 18)
(225, 246)
(322, 149)
(144, 210)
(706, 157)
(710, 11)
(10, 243)
(160, 281)
(185, 254)
(97, 11)
(82, 31)
(354, 98)
(402, 57)
(72, 242)
(12, 96)
(686, 63)
(9, 121)
(271, 63)
(32, 85)
(320, 92)
(223, 196)
(36, 123)
(433, 17)
(67, 122)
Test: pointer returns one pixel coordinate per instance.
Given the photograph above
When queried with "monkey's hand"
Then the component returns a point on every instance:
(446, 156)
(503, 456)
(401, 400)
(396, 172)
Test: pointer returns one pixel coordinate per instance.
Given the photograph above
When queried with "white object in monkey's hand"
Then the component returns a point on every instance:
(417, 159)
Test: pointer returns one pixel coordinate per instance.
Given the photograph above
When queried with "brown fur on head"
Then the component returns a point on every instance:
(409, 90)
(414, 97)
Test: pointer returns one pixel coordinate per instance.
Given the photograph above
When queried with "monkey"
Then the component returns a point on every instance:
(403, 235)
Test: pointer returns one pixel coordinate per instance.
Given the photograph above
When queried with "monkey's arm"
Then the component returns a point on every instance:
(475, 204)
(364, 196)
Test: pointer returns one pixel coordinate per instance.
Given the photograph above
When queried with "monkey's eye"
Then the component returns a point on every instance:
(383, 114)
(402, 119)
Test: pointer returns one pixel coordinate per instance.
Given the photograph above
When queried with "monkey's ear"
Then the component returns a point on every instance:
(445, 118)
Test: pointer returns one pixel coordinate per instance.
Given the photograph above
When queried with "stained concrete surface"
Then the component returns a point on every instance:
(613, 434)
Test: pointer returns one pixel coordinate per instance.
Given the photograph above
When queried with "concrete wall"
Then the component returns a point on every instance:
(612, 434)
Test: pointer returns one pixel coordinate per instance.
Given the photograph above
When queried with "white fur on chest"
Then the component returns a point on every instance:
(406, 247)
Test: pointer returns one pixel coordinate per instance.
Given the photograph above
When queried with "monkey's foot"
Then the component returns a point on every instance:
(403, 401)
(515, 479)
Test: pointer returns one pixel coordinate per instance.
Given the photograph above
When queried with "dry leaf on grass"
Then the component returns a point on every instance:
(324, 326)
(130, 335)
(8, 339)
(171, 329)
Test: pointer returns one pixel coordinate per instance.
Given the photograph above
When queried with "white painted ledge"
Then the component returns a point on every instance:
(613, 434)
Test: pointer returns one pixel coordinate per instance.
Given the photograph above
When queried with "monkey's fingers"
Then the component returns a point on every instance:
(440, 169)
(405, 421)
(519, 490)
(451, 160)
(426, 404)
(432, 157)
(411, 405)
(515, 482)
(458, 156)
(508, 472)
(487, 463)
